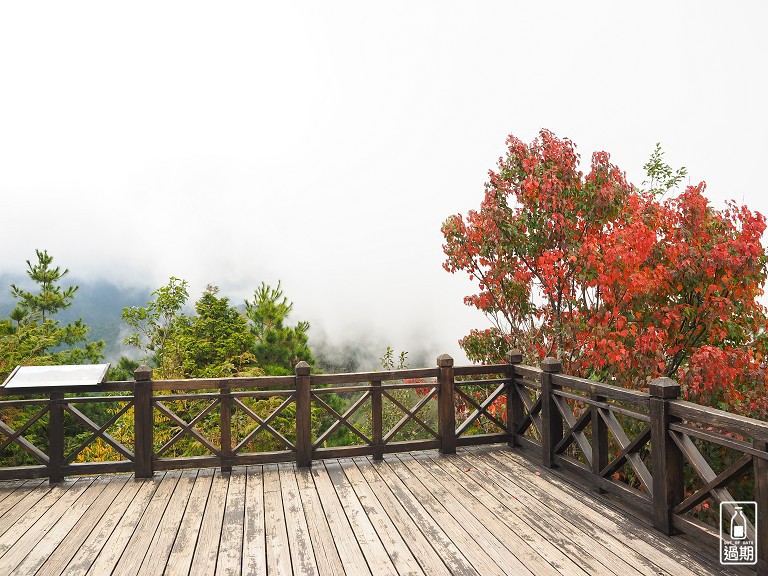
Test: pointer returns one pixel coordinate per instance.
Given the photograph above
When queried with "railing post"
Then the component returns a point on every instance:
(225, 423)
(376, 420)
(551, 420)
(515, 408)
(446, 408)
(56, 437)
(303, 416)
(761, 498)
(143, 422)
(599, 440)
(666, 459)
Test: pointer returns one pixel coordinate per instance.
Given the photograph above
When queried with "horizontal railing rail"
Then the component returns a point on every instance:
(649, 449)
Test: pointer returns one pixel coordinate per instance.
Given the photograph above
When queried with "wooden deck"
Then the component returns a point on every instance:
(483, 511)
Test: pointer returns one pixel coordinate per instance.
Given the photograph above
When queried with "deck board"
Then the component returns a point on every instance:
(12, 491)
(352, 558)
(562, 527)
(412, 518)
(610, 538)
(503, 545)
(104, 530)
(373, 550)
(112, 549)
(478, 493)
(139, 547)
(395, 546)
(326, 554)
(485, 510)
(278, 549)
(254, 542)
(527, 550)
(89, 524)
(299, 540)
(206, 550)
(612, 528)
(24, 511)
(231, 548)
(93, 501)
(180, 558)
(464, 536)
(160, 547)
(71, 504)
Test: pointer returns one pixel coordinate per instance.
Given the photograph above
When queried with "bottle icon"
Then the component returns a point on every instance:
(738, 525)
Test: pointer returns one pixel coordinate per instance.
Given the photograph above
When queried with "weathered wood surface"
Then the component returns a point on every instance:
(720, 420)
(218, 383)
(356, 377)
(481, 511)
(610, 391)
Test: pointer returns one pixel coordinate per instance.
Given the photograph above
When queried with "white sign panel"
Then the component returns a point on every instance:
(57, 376)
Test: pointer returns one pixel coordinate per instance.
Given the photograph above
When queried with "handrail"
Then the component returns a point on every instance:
(708, 416)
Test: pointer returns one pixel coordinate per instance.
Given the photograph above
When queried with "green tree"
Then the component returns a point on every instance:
(388, 360)
(156, 325)
(216, 342)
(51, 296)
(278, 348)
(123, 370)
(661, 177)
(22, 342)
(31, 335)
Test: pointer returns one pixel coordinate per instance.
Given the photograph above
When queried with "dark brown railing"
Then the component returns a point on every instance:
(651, 450)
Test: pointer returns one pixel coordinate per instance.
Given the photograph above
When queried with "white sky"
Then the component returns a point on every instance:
(323, 144)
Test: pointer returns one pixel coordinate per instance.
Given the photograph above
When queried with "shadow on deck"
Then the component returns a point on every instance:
(482, 511)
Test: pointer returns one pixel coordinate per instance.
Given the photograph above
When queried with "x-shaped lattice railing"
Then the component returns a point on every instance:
(264, 424)
(410, 414)
(713, 483)
(532, 411)
(575, 430)
(16, 436)
(481, 409)
(186, 427)
(340, 419)
(98, 432)
(628, 450)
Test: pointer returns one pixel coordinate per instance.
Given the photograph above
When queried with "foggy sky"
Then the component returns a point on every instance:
(323, 144)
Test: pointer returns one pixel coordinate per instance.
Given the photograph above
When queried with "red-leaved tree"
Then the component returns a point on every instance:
(617, 282)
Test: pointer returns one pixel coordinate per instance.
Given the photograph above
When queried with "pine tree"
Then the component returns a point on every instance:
(278, 347)
(31, 335)
(51, 297)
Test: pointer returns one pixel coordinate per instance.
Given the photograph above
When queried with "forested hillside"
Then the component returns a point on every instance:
(99, 304)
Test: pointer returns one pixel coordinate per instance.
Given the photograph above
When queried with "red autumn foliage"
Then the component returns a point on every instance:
(617, 282)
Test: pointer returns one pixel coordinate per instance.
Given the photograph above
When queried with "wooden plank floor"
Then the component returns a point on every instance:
(483, 511)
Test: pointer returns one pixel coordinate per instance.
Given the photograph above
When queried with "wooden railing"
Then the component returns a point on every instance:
(651, 450)
(374, 414)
